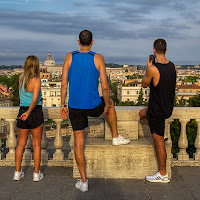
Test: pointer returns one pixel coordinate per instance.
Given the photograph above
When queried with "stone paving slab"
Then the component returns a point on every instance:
(58, 184)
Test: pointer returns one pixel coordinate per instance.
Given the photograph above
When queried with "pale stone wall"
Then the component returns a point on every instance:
(135, 160)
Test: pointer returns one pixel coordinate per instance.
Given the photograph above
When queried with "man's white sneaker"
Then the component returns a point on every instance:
(120, 140)
(18, 175)
(158, 178)
(37, 177)
(83, 187)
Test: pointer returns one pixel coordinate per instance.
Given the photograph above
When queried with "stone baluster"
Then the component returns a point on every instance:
(12, 141)
(1, 142)
(197, 142)
(28, 153)
(71, 143)
(58, 142)
(1, 131)
(183, 141)
(44, 145)
(167, 130)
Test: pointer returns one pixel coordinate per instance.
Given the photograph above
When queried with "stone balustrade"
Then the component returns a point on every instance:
(129, 126)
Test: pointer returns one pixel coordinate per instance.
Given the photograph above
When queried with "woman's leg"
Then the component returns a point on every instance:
(36, 141)
(22, 139)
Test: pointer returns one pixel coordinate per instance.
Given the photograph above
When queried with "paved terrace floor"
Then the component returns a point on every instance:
(58, 184)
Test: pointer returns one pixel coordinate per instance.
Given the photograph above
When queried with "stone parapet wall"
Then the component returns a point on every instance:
(103, 159)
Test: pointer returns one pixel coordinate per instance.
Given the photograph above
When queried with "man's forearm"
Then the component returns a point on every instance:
(63, 93)
(106, 95)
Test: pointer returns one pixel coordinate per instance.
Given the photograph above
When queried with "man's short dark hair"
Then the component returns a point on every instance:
(85, 37)
(160, 46)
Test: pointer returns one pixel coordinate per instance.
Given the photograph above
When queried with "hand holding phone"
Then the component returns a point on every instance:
(152, 59)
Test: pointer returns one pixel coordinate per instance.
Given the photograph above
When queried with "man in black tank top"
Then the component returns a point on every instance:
(161, 77)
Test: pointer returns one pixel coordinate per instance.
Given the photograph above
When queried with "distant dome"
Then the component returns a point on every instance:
(49, 60)
(49, 57)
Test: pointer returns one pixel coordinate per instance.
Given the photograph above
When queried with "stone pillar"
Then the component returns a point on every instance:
(12, 141)
(183, 141)
(58, 142)
(28, 153)
(197, 142)
(44, 145)
(0, 147)
(167, 130)
(71, 143)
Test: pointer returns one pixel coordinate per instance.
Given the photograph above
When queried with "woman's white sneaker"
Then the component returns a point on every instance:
(83, 187)
(18, 175)
(37, 177)
(120, 140)
(158, 178)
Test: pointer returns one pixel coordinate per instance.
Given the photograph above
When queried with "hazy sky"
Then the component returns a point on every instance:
(124, 31)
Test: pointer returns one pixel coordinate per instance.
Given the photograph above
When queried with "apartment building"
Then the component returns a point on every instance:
(51, 93)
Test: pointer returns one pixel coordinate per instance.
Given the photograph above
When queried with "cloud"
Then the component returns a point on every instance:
(80, 4)
(66, 24)
(11, 2)
(117, 28)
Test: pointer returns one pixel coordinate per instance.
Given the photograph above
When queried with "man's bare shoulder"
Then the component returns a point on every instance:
(68, 59)
(69, 55)
(152, 69)
(98, 56)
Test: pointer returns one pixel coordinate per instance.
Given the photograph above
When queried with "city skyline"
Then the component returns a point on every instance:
(124, 32)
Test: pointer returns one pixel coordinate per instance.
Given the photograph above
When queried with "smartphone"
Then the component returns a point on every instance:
(152, 59)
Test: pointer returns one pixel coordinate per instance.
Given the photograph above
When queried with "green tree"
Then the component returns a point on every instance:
(4, 80)
(140, 100)
(175, 100)
(191, 131)
(140, 76)
(113, 88)
(14, 82)
(175, 129)
(126, 103)
(182, 102)
(191, 79)
(194, 101)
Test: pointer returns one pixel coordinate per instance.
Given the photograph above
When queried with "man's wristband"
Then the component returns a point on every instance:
(62, 106)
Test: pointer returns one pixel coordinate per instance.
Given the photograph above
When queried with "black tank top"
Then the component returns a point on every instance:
(162, 96)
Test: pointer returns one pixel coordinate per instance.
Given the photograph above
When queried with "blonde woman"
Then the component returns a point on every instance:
(30, 116)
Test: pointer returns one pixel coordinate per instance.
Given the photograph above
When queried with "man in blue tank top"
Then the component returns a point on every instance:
(82, 70)
(161, 77)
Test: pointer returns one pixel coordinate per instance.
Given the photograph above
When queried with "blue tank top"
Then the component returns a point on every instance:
(26, 97)
(83, 81)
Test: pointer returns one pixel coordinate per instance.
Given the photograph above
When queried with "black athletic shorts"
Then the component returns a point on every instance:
(34, 120)
(156, 125)
(79, 117)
